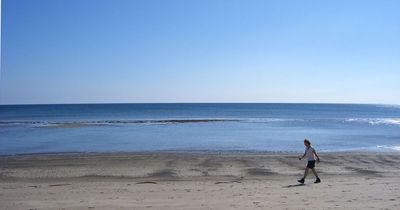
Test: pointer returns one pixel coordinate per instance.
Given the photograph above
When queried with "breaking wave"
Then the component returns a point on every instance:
(395, 148)
(376, 121)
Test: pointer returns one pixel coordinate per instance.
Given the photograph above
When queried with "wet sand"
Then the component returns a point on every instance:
(198, 181)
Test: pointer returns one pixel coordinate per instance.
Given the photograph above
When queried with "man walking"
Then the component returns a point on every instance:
(311, 155)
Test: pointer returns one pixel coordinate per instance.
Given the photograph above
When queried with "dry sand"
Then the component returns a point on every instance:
(198, 181)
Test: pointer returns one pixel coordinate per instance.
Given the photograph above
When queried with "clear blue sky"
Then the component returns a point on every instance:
(109, 51)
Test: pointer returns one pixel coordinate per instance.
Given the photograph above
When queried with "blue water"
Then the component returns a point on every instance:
(188, 127)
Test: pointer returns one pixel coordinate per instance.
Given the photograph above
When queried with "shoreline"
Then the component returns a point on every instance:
(224, 152)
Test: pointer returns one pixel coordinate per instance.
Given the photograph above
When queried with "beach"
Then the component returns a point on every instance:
(198, 180)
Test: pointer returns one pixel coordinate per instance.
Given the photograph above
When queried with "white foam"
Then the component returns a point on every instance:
(396, 148)
(376, 121)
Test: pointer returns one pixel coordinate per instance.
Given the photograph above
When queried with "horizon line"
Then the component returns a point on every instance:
(110, 103)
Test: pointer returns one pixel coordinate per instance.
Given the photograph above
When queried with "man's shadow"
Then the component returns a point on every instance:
(294, 185)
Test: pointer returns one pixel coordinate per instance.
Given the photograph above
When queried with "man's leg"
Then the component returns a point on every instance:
(314, 172)
(305, 173)
(316, 175)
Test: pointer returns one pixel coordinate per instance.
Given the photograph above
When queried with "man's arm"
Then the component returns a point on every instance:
(301, 157)
(315, 153)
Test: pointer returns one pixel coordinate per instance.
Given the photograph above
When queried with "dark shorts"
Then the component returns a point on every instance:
(311, 164)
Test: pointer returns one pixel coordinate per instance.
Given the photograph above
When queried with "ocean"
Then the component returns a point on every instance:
(27, 129)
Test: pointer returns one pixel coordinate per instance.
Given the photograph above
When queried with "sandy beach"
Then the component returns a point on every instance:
(198, 181)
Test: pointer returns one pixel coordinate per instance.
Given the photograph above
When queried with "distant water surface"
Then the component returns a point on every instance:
(188, 127)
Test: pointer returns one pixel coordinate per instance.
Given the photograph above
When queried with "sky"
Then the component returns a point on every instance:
(155, 51)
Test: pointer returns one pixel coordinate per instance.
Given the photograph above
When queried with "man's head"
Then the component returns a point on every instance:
(307, 143)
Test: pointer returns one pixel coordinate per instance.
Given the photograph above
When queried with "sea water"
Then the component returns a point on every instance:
(197, 127)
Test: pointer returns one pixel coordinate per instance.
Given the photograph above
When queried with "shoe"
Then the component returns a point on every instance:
(301, 180)
(317, 180)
